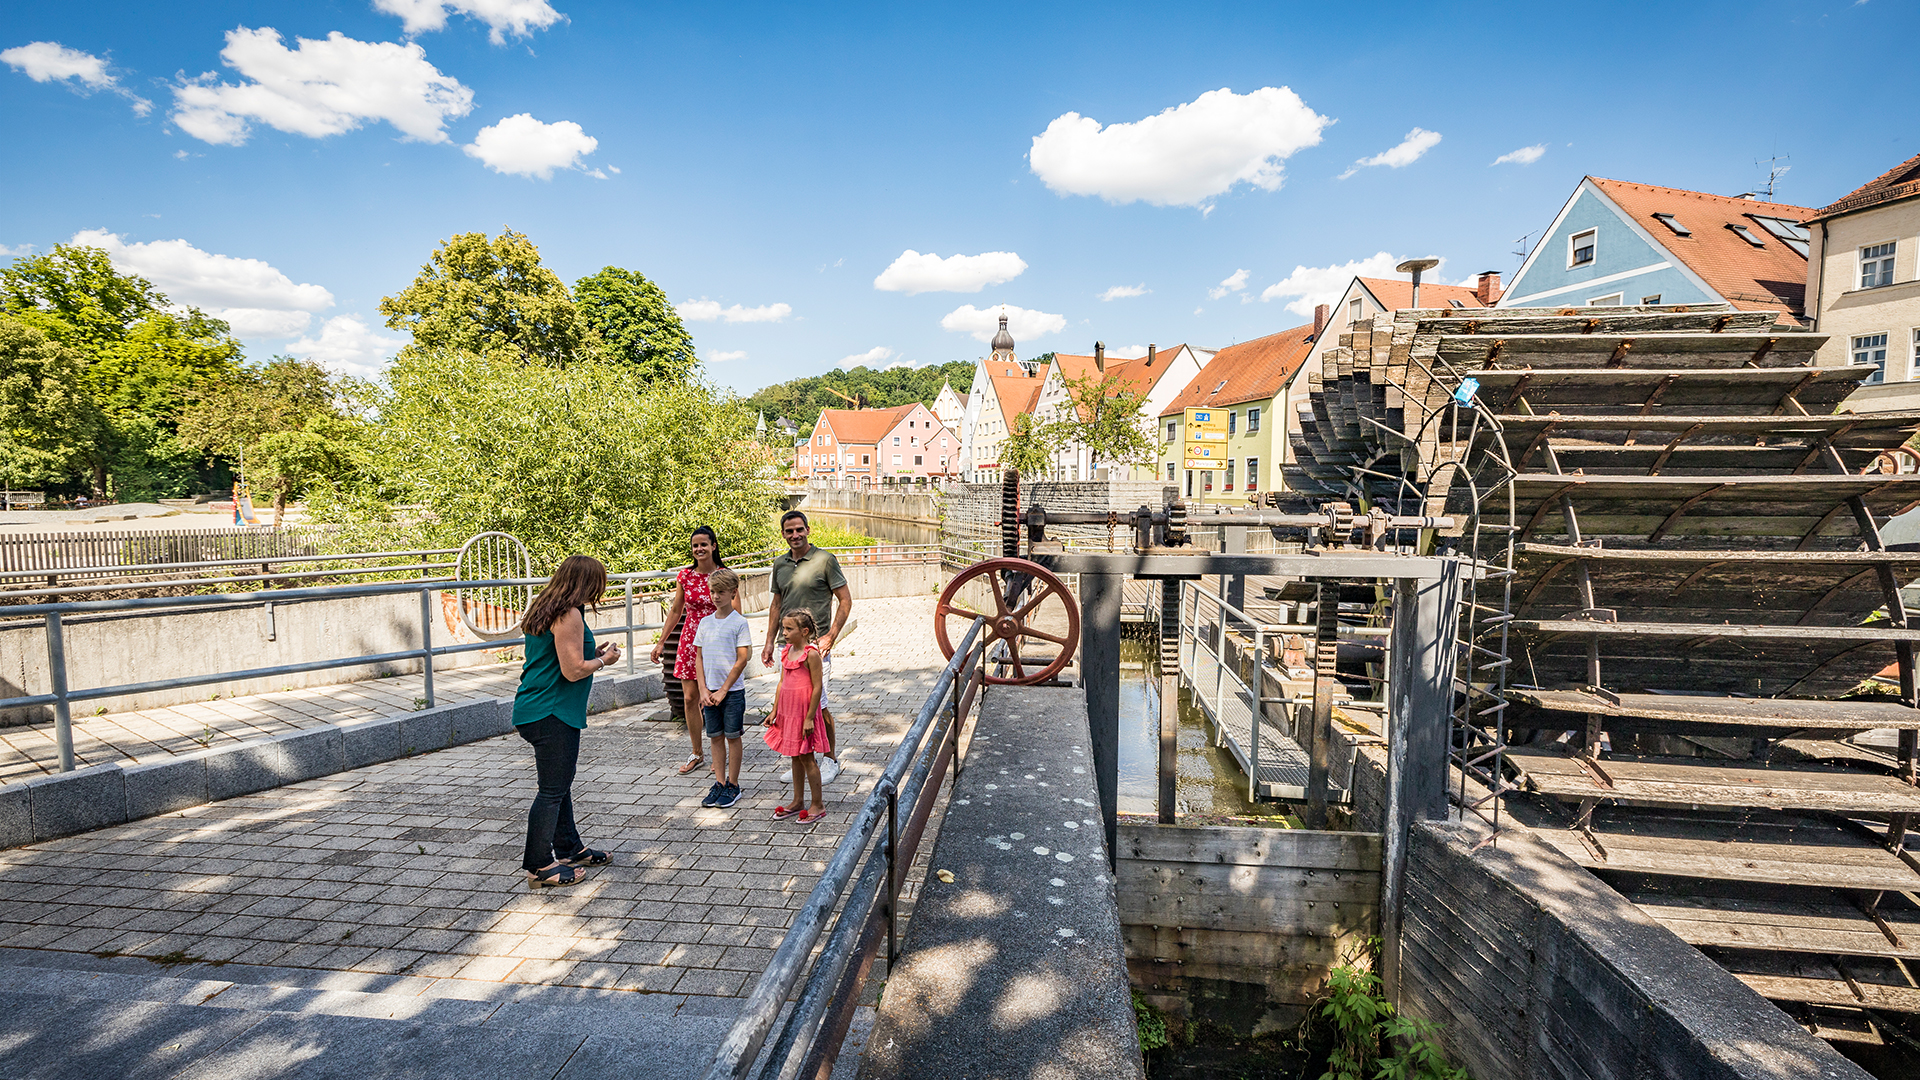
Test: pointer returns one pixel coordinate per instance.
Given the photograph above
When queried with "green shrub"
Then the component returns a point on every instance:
(1362, 1021)
(1150, 1024)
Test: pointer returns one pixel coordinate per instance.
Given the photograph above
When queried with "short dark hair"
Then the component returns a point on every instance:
(789, 516)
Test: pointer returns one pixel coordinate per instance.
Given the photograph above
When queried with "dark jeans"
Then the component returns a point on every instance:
(550, 831)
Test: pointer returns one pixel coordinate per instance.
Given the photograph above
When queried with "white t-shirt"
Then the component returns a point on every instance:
(719, 640)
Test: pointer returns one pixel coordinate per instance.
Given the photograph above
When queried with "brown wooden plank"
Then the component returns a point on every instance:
(1833, 992)
(1759, 864)
(1576, 628)
(1673, 782)
(1759, 712)
(1302, 848)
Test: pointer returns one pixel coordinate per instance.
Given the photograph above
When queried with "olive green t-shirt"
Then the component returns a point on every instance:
(808, 583)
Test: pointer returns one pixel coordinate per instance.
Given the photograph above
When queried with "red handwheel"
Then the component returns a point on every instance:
(1014, 625)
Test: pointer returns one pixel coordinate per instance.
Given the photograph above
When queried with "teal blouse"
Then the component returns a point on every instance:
(545, 690)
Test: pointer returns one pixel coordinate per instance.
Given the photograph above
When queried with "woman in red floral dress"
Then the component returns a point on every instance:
(694, 601)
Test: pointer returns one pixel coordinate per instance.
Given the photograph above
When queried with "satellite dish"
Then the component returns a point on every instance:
(493, 611)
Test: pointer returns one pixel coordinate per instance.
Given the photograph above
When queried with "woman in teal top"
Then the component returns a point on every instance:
(550, 710)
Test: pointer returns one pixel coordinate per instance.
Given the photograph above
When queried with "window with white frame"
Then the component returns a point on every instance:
(1915, 365)
(1605, 301)
(1353, 311)
(1253, 421)
(1171, 425)
(916, 458)
(1876, 266)
(1253, 474)
(1233, 422)
(1649, 301)
(1871, 350)
(1229, 474)
(896, 460)
(1580, 248)
(896, 440)
(1170, 476)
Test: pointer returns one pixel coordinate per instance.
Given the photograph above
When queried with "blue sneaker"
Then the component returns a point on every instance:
(713, 795)
(728, 796)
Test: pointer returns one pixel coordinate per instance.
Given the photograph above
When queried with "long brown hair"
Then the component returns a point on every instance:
(581, 580)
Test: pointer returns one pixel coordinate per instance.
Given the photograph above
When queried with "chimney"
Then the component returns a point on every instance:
(1319, 320)
(1152, 350)
(1488, 290)
(1100, 356)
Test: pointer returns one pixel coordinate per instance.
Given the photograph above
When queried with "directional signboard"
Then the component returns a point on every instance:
(1206, 442)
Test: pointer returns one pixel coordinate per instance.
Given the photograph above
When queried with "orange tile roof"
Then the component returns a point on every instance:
(1252, 370)
(1016, 391)
(864, 427)
(1750, 278)
(1395, 295)
(1900, 182)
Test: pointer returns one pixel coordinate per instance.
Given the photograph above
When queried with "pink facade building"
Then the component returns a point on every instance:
(879, 445)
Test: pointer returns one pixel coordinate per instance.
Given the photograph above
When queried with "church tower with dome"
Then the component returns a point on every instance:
(1003, 342)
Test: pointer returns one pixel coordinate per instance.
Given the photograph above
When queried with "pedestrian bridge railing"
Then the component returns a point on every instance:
(630, 590)
(873, 858)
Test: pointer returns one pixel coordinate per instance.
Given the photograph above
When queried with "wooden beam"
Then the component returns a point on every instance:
(1674, 518)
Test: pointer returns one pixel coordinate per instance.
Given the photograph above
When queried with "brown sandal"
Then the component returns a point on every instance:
(694, 761)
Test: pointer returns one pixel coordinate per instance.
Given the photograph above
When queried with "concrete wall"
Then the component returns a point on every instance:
(1539, 970)
(1241, 925)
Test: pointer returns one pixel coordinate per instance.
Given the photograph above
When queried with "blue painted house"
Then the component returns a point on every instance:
(1622, 243)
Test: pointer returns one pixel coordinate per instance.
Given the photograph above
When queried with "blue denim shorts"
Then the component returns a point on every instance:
(727, 720)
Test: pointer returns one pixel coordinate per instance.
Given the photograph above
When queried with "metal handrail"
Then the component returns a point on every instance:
(140, 568)
(834, 979)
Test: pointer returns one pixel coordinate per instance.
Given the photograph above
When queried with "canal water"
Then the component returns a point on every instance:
(1209, 781)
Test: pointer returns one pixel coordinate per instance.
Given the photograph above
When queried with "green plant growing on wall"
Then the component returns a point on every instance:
(1150, 1024)
(1363, 1022)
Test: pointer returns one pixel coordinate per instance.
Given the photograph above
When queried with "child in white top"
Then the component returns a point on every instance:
(722, 644)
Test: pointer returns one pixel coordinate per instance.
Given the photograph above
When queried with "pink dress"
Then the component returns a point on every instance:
(786, 734)
(696, 603)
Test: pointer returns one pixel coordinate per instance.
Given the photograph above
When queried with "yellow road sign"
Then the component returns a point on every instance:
(1206, 442)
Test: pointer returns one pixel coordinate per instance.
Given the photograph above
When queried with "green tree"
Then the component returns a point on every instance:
(584, 458)
(76, 296)
(1106, 420)
(635, 324)
(1030, 446)
(802, 399)
(491, 298)
(47, 419)
(289, 423)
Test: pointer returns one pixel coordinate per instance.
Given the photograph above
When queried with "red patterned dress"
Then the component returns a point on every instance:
(696, 603)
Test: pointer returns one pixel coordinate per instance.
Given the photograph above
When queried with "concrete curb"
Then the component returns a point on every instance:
(63, 804)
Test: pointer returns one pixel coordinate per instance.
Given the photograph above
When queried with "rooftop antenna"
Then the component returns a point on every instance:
(1775, 171)
(1416, 267)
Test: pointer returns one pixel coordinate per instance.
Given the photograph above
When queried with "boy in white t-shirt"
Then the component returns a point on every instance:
(721, 647)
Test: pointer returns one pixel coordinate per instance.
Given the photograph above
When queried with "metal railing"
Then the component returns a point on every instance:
(408, 562)
(76, 554)
(628, 590)
(1205, 639)
(810, 1035)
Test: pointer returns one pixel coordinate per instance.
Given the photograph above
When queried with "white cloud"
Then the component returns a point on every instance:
(1526, 155)
(1323, 284)
(867, 359)
(983, 323)
(704, 310)
(1184, 156)
(1121, 292)
(18, 251)
(1417, 143)
(346, 345)
(523, 146)
(914, 273)
(50, 61)
(901, 364)
(1233, 282)
(322, 88)
(517, 17)
(723, 357)
(1128, 352)
(258, 300)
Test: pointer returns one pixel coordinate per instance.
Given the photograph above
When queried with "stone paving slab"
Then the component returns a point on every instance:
(402, 879)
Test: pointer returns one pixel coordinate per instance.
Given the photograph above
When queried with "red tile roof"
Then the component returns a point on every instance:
(1394, 294)
(1900, 182)
(864, 427)
(1135, 374)
(1767, 278)
(1016, 391)
(1252, 370)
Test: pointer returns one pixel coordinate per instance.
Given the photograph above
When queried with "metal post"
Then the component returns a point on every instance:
(1326, 655)
(893, 874)
(1259, 711)
(1219, 664)
(1419, 720)
(629, 626)
(62, 710)
(1100, 674)
(1171, 607)
(426, 642)
(1233, 541)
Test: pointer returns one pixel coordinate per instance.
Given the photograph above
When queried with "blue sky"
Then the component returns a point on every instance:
(767, 164)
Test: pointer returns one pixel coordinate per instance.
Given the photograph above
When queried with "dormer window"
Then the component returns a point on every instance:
(1741, 232)
(1580, 248)
(1456, 303)
(1673, 223)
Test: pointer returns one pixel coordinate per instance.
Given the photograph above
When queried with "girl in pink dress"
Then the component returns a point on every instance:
(796, 730)
(692, 601)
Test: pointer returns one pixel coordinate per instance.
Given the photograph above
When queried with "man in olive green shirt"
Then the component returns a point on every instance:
(809, 578)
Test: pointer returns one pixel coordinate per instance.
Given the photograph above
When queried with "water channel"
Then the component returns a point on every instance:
(1209, 782)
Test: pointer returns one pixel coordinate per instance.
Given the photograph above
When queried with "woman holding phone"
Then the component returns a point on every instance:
(550, 711)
